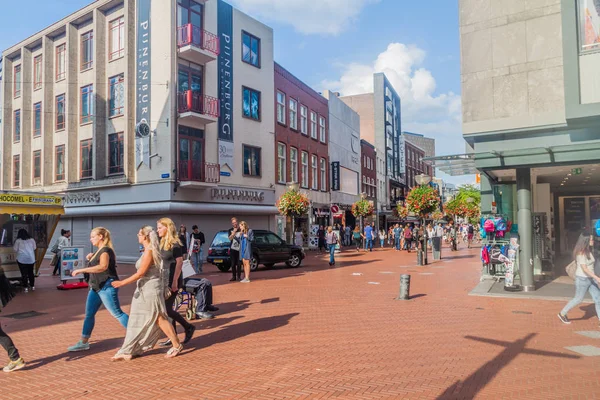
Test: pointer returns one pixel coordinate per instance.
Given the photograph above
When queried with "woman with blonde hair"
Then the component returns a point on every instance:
(102, 269)
(172, 262)
(246, 249)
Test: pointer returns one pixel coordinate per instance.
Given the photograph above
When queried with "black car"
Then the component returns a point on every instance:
(267, 249)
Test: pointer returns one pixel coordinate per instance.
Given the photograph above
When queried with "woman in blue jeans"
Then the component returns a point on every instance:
(102, 267)
(585, 278)
(331, 240)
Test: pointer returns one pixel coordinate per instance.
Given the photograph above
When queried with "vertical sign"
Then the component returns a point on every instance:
(143, 87)
(225, 31)
(335, 175)
(401, 148)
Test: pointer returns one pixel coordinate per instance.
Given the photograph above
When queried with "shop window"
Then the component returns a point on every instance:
(589, 25)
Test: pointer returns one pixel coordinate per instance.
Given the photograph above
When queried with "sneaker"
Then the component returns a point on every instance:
(189, 333)
(564, 319)
(26, 290)
(166, 343)
(14, 365)
(245, 280)
(79, 346)
(33, 288)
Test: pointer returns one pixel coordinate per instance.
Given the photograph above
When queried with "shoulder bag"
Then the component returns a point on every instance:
(571, 269)
(187, 269)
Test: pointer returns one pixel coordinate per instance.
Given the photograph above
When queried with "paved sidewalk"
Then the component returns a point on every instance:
(320, 332)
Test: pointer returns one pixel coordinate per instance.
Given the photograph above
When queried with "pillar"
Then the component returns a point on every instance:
(487, 194)
(525, 228)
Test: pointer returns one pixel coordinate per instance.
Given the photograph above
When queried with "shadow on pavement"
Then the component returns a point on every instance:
(416, 296)
(95, 347)
(237, 331)
(590, 312)
(470, 387)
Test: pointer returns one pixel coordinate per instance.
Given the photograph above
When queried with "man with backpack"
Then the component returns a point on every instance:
(196, 242)
(470, 233)
(452, 232)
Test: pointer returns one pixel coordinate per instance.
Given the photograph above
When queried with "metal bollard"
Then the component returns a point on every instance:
(404, 287)
(419, 257)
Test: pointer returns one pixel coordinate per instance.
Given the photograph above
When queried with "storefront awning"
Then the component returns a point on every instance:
(454, 165)
(32, 210)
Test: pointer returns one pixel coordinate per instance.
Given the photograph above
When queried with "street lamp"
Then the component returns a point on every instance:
(423, 180)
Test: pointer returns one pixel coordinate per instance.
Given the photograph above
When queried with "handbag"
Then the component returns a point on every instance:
(187, 268)
(571, 269)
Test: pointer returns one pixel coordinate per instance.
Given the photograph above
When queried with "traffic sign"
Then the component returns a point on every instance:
(335, 209)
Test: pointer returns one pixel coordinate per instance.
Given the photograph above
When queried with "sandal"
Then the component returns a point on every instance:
(174, 351)
(119, 357)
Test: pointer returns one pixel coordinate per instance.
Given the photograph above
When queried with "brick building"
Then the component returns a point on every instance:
(414, 165)
(301, 145)
(369, 170)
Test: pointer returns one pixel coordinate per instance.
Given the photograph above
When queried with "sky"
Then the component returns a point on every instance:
(338, 45)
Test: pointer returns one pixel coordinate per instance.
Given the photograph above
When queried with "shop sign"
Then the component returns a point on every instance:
(319, 212)
(79, 198)
(14, 198)
(238, 194)
(225, 79)
(335, 175)
(143, 86)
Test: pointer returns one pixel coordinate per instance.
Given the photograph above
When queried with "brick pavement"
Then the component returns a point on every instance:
(317, 332)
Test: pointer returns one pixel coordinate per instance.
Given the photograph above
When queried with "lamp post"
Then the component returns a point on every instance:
(363, 196)
(423, 180)
(293, 187)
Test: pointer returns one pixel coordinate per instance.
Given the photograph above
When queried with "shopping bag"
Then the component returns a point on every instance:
(571, 269)
(187, 269)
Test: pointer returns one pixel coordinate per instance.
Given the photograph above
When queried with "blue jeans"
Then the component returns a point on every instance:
(381, 242)
(331, 253)
(582, 285)
(109, 296)
(369, 244)
(197, 260)
(397, 242)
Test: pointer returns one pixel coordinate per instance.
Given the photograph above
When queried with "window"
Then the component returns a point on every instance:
(250, 49)
(17, 127)
(589, 25)
(293, 164)
(293, 114)
(86, 158)
(322, 136)
(37, 72)
(37, 167)
(315, 172)
(280, 107)
(323, 174)
(61, 62)
(304, 176)
(87, 51)
(37, 119)
(251, 161)
(116, 39)
(17, 84)
(87, 104)
(251, 103)
(60, 112)
(115, 153)
(313, 124)
(281, 173)
(304, 120)
(16, 171)
(116, 102)
(59, 163)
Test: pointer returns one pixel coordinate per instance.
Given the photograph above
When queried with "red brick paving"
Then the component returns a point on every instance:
(319, 333)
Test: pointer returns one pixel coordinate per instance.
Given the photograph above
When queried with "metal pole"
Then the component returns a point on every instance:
(525, 229)
(404, 293)
(425, 238)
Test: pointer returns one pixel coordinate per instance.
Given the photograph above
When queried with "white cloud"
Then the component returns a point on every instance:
(436, 115)
(329, 17)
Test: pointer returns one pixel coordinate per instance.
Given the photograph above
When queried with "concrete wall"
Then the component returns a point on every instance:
(511, 63)
(344, 145)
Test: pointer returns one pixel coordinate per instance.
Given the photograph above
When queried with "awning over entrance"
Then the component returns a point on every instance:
(454, 165)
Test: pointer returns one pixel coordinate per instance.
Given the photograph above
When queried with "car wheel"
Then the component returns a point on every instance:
(224, 267)
(294, 261)
(269, 265)
(254, 263)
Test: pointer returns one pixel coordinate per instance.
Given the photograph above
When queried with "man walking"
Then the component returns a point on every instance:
(235, 236)
(197, 241)
(348, 236)
(368, 237)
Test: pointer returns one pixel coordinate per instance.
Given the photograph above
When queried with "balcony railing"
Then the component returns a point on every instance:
(199, 171)
(190, 101)
(191, 35)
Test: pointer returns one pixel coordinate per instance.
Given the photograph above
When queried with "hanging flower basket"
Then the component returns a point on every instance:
(362, 208)
(293, 203)
(422, 200)
(437, 215)
(402, 211)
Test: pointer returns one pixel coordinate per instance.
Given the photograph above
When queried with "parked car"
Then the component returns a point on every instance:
(268, 249)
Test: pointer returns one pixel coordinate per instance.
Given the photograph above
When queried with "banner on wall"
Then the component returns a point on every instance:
(143, 84)
(225, 136)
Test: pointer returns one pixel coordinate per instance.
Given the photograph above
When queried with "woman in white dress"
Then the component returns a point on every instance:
(299, 239)
(148, 314)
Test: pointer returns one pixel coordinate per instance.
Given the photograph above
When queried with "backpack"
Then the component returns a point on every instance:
(485, 255)
(482, 233)
(500, 224)
(489, 226)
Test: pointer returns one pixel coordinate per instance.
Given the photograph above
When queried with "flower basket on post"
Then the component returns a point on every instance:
(423, 200)
(292, 204)
(362, 208)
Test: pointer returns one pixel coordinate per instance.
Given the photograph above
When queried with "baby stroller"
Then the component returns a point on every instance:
(197, 297)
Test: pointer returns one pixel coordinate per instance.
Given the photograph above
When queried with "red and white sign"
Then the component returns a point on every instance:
(335, 209)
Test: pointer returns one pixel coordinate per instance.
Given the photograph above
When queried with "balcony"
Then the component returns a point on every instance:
(198, 174)
(197, 45)
(196, 109)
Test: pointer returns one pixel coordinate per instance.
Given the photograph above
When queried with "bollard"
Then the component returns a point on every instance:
(419, 257)
(404, 287)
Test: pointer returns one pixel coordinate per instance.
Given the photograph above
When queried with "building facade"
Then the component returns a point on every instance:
(369, 173)
(345, 157)
(134, 110)
(531, 111)
(414, 166)
(421, 141)
(301, 146)
(380, 120)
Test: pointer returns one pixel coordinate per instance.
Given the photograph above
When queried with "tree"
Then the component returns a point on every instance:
(462, 207)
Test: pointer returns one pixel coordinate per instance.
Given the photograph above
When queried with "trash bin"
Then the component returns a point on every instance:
(436, 244)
